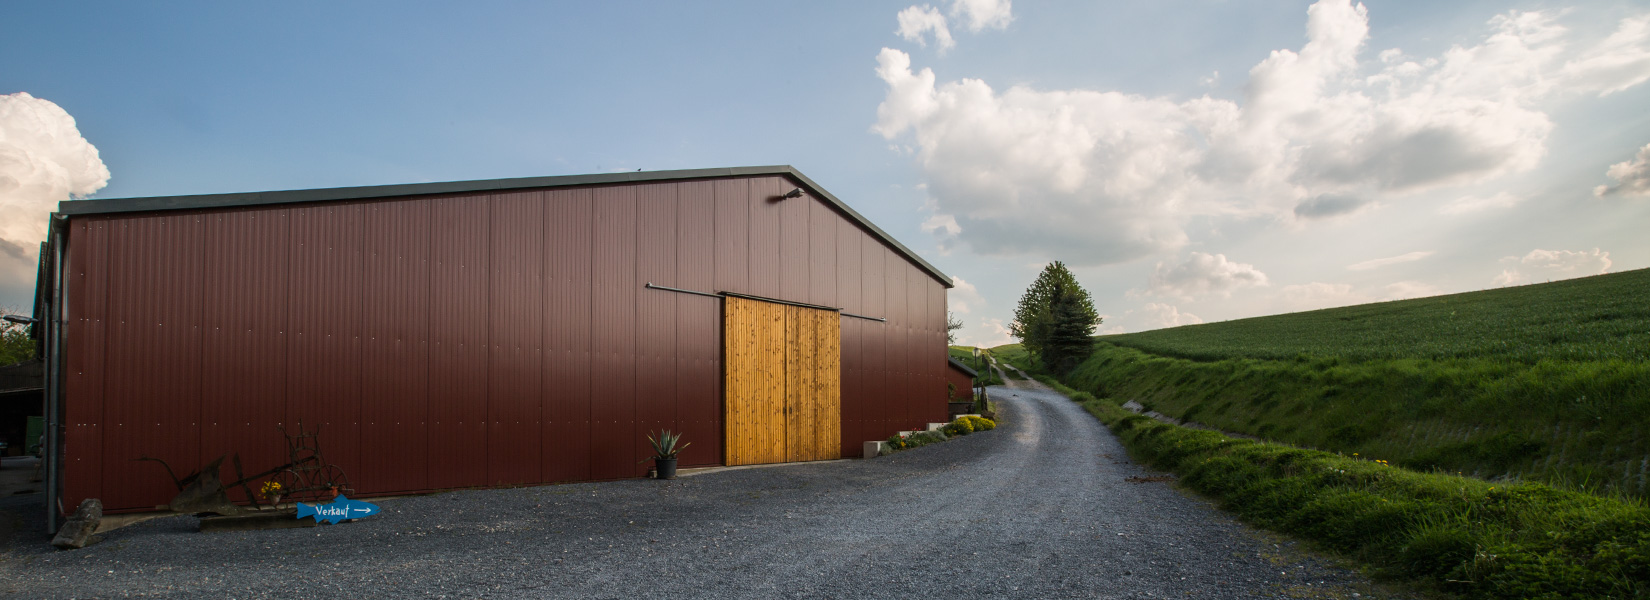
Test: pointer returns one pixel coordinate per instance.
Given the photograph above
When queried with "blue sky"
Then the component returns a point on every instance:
(1169, 151)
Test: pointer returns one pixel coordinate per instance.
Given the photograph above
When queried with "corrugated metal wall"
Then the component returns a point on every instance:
(463, 340)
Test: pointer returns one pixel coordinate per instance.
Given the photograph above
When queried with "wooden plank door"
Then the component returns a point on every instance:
(783, 370)
(813, 381)
(754, 411)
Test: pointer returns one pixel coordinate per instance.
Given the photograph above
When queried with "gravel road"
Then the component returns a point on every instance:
(1041, 507)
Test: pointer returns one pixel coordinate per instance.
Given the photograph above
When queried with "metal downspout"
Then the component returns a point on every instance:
(54, 375)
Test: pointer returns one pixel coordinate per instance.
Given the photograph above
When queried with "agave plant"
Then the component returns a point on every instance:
(664, 446)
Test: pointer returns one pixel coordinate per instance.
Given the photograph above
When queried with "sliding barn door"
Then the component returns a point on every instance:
(782, 383)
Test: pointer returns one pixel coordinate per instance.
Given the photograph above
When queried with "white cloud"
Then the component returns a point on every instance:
(1316, 295)
(1404, 290)
(989, 333)
(1632, 176)
(1100, 177)
(1550, 265)
(1158, 316)
(43, 159)
(1202, 274)
(1324, 206)
(1473, 204)
(964, 297)
(1619, 62)
(1392, 260)
(916, 22)
(942, 223)
(980, 14)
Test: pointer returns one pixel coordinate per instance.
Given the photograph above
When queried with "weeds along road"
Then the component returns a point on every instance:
(1041, 507)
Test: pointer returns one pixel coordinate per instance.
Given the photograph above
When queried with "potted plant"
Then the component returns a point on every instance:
(664, 453)
(272, 492)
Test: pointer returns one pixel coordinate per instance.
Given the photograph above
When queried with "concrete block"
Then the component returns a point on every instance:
(936, 426)
(873, 449)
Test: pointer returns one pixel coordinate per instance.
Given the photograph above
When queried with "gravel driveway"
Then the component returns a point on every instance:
(1040, 507)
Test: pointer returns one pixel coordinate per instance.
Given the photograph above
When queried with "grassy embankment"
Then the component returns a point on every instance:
(1538, 382)
(1546, 382)
(965, 355)
(1455, 534)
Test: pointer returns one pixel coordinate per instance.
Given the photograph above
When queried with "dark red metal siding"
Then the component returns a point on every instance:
(698, 356)
(822, 234)
(87, 281)
(244, 359)
(656, 376)
(153, 407)
(793, 242)
(848, 249)
(569, 223)
(395, 351)
(456, 455)
(874, 341)
(765, 260)
(324, 348)
(961, 381)
(463, 340)
(613, 374)
(516, 322)
(899, 342)
(733, 224)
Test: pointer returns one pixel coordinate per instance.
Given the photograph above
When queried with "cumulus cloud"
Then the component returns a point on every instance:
(1404, 290)
(989, 333)
(43, 159)
(1329, 205)
(1158, 316)
(1549, 265)
(982, 14)
(1316, 295)
(1391, 260)
(1473, 204)
(964, 298)
(1202, 274)
(1632, 176)
(1102, 177)
(917, 22)
(1618, 62)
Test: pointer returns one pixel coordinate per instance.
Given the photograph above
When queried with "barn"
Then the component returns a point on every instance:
(480, 333)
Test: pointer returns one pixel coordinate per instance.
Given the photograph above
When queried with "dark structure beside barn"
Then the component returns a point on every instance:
(478, 334)
(961, 386)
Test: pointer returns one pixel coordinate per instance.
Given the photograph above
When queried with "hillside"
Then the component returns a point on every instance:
(1591, 318)
(1548, 381)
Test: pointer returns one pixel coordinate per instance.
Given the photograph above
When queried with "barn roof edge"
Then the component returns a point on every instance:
(207, 201)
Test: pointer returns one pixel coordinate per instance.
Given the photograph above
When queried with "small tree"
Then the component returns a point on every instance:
(952, 324)
(15, 343)
(1035, 304)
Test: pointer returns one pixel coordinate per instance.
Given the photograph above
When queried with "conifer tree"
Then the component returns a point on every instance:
(1068, 327)
(1037, 301)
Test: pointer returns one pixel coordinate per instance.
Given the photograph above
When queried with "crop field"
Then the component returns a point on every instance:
(1546, 382)
(1592, 318)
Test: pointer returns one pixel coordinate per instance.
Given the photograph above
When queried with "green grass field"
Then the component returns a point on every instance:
(1547, 382)
(1606, 317)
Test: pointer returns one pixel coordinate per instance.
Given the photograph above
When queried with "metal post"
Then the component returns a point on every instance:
(54, 375)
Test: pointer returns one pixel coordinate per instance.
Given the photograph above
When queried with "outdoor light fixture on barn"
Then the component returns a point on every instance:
(577, 314)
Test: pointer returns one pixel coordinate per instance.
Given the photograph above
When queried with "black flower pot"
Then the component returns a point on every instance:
(666, 468)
